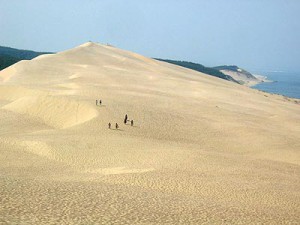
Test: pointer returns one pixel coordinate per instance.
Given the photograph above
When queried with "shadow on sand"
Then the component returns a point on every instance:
(114, 129)
(128, 124)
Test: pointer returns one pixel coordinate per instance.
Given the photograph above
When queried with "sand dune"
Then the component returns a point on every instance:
(202, 149)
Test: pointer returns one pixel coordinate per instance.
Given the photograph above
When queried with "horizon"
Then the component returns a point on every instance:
(256, 72)
(257, 36)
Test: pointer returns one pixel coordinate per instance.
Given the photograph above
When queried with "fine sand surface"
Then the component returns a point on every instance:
(202, 150)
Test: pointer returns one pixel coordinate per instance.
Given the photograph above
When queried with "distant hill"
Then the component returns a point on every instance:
(235, 69)
(19, 53)
(242, 76)
(9, 56)
(200, 68)
(6, 61)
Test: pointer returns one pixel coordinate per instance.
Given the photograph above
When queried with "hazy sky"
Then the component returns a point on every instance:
(254, 34)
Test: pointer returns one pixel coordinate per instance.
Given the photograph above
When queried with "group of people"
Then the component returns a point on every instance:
(109, 126)
(100, 102)
(117, 125)
(125, 122)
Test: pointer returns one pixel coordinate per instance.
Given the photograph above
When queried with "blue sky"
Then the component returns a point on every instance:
(254, 34)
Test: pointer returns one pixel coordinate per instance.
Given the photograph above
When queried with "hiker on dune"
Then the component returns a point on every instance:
(125, 119)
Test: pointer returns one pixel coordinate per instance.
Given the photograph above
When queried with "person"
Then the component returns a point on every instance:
(109, 125)
(100, 101)
(117, 126)
(131, 122)
(96, 102)
(125, 120)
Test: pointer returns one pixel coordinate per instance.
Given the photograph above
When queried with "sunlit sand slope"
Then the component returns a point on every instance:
(202, 149)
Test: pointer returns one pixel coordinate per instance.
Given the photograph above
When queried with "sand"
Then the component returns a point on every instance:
(202, 150)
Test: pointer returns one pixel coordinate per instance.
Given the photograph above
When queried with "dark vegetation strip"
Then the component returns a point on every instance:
(200, 68)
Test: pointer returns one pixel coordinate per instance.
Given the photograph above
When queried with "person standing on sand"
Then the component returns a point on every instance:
(100, 101)
(117, 126)
(125, 120)
(96, 102)
(109, 125)
(131, 122)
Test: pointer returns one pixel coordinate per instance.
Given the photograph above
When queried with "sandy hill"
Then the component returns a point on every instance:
(202, 149)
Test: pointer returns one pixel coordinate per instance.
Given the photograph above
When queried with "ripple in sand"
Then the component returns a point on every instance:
(118, 170)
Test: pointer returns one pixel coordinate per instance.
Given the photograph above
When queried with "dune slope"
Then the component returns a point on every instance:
(202, 149)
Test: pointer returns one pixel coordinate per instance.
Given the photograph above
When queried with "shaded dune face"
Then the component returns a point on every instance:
(47, 108)
(55, 112)
(202, 149)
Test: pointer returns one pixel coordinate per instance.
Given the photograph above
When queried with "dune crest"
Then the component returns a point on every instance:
(56, 112)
